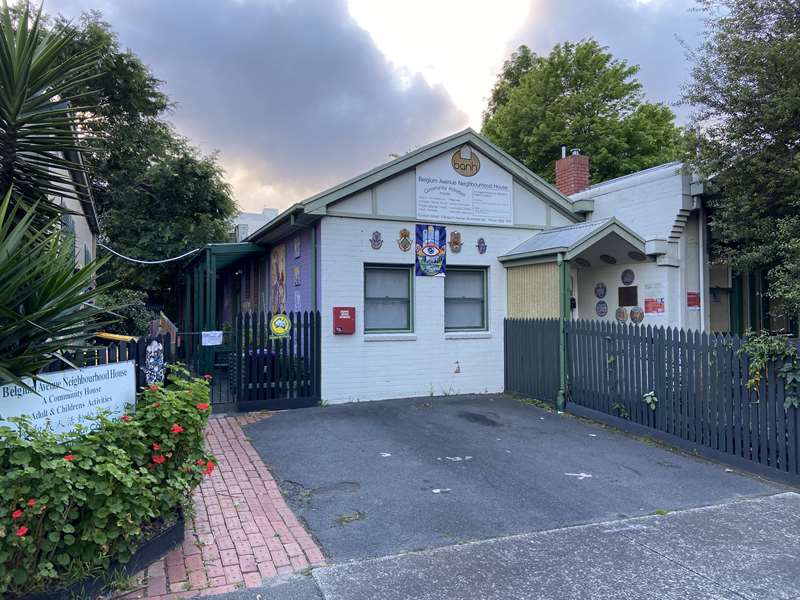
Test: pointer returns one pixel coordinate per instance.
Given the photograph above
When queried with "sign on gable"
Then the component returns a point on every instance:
(462, 186)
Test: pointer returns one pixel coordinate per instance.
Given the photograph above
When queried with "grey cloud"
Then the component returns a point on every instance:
(292, 90)
(643, 34)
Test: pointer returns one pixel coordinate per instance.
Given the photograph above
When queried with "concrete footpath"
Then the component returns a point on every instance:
(745, 549)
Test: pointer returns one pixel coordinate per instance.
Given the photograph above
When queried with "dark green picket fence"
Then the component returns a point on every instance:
(531, 358)
(698, 383)
(116, 352)
(276, 373)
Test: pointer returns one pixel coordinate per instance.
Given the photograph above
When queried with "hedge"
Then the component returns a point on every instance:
(72, 504)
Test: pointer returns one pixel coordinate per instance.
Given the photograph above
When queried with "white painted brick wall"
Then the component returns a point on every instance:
(357, 370)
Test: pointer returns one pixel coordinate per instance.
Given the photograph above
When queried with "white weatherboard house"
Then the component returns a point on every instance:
(632, 249)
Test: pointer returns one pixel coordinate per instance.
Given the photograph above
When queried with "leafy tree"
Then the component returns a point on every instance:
(745, 88)
(178, 203)
(130, 307)
(579, 96)
(156, 195)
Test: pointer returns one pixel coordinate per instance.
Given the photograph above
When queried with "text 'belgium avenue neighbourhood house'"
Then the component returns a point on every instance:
(432, 251)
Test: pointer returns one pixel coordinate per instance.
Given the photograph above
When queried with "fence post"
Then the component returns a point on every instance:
(564, 312)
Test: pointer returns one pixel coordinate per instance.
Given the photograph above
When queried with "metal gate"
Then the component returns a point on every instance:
(272, 371)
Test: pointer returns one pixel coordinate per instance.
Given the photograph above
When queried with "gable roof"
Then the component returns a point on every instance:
(316, 205)
(571, 240)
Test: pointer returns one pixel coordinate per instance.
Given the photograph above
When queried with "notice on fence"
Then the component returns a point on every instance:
(66, 398)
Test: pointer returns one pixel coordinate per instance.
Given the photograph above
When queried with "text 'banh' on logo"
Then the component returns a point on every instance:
(465, 162)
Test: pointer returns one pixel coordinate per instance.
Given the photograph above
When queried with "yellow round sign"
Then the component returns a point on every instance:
(280, 325)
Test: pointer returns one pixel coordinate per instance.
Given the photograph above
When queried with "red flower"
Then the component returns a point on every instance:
(159, 459)
(22, 531)
(154, 388)
(31, 502)
(207, 377)
(17, 514)
(69, 457)
(209, 468)
(202, 406)
(200, 461)
(125, 418)
(176, 428)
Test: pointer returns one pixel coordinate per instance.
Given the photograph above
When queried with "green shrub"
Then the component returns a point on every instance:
(72, 504)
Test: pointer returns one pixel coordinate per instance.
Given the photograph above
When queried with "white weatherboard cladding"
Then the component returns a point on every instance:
(360, 203)
(528, 208)
(444, 195)
(425, 361)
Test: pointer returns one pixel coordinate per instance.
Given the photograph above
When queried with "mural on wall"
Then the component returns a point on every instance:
(431, 250)
(404, 241)
(297, 247)
(298, 304)
(296, 276)
(277, 279)
(376, 241)
(455, 241)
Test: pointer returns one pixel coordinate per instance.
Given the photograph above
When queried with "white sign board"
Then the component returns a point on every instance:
(463, 186)
(211, 338)
(66, 398)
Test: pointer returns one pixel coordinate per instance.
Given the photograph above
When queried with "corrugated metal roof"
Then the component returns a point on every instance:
(558, 238)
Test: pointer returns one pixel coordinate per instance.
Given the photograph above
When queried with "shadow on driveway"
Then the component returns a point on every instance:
(380, 478)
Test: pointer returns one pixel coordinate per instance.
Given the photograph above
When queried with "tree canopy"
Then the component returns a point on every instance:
(578, 96)
(156, 195)
(745, 89)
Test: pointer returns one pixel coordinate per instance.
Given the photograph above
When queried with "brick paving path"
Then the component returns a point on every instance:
(242, 530)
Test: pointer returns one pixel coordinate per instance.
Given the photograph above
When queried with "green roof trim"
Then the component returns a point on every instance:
(571, 240)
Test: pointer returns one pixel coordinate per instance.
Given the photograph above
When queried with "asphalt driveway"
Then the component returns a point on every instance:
(381, 478)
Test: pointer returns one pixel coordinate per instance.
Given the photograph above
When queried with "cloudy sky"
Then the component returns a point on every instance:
(297, 95)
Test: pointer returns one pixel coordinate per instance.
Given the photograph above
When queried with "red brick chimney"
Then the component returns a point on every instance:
(572, 172)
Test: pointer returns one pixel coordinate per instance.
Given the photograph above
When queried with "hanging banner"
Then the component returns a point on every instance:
(431, 250)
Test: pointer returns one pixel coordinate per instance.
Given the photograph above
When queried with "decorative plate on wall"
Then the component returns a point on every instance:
(481, 246)
(601, 308)
(637, 314)
(582, 262)
(608, 259)
(628, 276)
(376, 241)
(600, 290)
(637, 256)
(404, 241)
(621, 315)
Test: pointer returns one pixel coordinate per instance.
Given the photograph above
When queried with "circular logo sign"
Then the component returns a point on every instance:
(465, 162)
(601, 308)
(600, 290)
(280, 325)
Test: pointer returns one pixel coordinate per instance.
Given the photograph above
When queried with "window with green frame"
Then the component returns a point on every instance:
(465, 291)
(388, 304)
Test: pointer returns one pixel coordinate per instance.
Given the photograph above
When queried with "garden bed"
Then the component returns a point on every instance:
(164, 538)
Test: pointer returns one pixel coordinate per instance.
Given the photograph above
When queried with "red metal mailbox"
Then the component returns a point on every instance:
(344, 320)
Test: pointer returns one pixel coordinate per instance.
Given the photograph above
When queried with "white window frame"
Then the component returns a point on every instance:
(484, 271)
(409, 269)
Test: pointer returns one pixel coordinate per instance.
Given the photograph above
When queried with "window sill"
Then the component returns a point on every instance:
(390, 337)
(467, 335)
